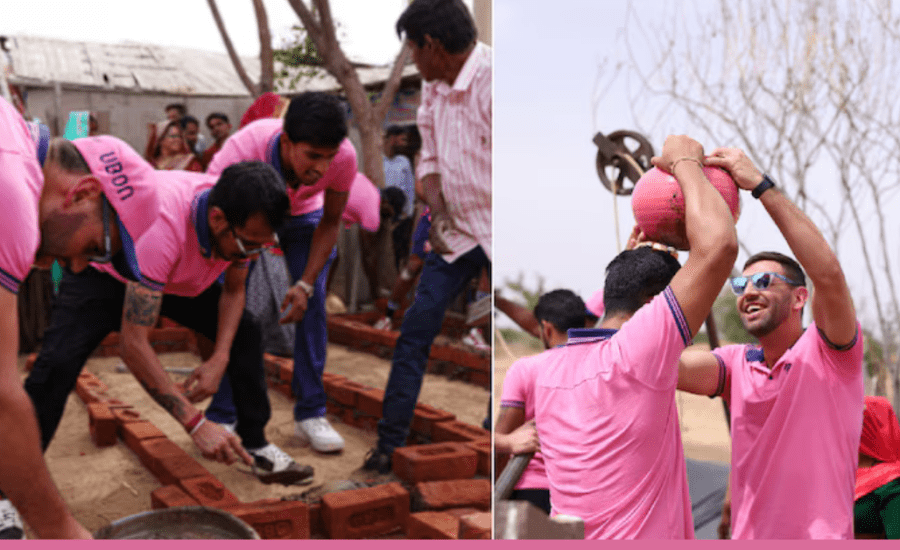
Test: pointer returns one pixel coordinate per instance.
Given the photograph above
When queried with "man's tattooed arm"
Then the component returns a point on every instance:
(139, 315)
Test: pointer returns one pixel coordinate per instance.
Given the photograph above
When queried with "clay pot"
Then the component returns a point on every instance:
(658, 204)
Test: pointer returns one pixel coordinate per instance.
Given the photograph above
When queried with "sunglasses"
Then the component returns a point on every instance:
(761, 281)
(246, 253)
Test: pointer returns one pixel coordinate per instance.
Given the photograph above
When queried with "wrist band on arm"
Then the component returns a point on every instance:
(698, 161)
(197, 427)
(191, 424)
(305, 287)
(763, 186)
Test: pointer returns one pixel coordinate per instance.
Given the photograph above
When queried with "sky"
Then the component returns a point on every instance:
(367, 26)
(552, 216)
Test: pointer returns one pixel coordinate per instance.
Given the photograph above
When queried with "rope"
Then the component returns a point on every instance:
(504, 344)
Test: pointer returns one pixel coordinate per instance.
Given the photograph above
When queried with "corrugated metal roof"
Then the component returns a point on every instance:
(148, 67)
(129, 66)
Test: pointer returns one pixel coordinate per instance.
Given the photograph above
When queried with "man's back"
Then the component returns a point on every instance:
(608, 425)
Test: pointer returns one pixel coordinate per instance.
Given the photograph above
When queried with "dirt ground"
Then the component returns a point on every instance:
(704, 431)
(102, 485)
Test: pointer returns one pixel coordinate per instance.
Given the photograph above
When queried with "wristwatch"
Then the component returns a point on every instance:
(306, 287)
(763, 186)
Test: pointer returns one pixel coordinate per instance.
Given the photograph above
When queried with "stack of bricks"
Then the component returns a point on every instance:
(454, 361)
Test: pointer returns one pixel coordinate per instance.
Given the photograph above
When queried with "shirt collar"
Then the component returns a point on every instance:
(273, 155)
(199, 210)
(470, 67)
(586, 335)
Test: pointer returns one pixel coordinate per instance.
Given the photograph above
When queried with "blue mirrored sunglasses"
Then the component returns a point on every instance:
(761, 281)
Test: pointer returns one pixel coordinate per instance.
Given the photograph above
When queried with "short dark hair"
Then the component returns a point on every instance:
(316, 118)
(791, 268)
(249, 187)
(395, 197)
(447, 21)
(187, 119)
(561, 308)
(395, 130)
(221, 116)
(634, 277)
(182, 110)
(64, 154)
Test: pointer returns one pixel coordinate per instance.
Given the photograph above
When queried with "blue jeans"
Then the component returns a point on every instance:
(311, 340)
(439, 284)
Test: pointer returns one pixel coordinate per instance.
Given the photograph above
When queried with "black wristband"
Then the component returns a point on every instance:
(763, 186)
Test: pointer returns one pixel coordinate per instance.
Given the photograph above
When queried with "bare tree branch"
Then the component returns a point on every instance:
(238, 65)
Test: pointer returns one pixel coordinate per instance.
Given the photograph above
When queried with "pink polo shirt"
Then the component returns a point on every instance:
(455, 123)
(21, 181)
(795, 433)
(259, 141)
(174, 254)
(518, 392)
(363, 204)
(608, 425)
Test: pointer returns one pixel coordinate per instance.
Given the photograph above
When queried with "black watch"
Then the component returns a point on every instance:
(763, 186)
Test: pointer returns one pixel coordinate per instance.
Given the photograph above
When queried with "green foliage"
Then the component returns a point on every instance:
(873, 356)
(529, 297)
(300, 53)
(515, 336)
(728, 320)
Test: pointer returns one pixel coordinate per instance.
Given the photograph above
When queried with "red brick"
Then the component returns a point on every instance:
(455, 430)
(89, 388)
(126, 415)
(331, 377)
(209, 491)
(102, 425)
(334, 408)
(426, 415)
(29, 361)
(475, 526)
(483, 448)
(134, 432)
(113, 403)
(279, 368)
(345, 392)
(478, 378)
(435, 462)
(370, 401)
(316, 525)
(151, 450)
(275, 519)
(112, 340)
(432, 525)
(365, 421)
(286, 372)
(170, 496)
(456, 493)
(369, 512)
(169, 469)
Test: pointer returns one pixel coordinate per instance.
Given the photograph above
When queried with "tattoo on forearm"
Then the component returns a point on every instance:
(142, 305)
(170, 402)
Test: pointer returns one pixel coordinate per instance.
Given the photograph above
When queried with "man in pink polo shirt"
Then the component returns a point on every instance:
(149, 234)
(309, 149)
(605, 402)
(24, 477)
(797, 398)
(556, 312)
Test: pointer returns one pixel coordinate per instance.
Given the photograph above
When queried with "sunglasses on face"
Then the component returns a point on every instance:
(761, 281)
(246, 253)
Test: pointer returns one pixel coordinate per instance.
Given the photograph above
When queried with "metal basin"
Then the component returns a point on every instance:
(190, 522)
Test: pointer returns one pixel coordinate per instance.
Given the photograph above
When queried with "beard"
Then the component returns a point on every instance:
(767, 321)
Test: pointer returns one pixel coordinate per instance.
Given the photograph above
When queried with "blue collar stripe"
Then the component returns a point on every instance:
(274, 153)
(9, 282)
(199, 210)
(675, 308)
(588, 335)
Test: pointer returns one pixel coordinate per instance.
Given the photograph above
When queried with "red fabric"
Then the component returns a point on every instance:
(880, 440)
(263, 107)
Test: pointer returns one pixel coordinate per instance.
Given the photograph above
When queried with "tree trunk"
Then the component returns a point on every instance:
(266, 55)
(235, 60)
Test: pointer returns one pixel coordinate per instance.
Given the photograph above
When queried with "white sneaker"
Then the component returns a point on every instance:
(383, 324)
(11, 527)
(230, 426)
(318, 432)
(476, 340)
(272, 465)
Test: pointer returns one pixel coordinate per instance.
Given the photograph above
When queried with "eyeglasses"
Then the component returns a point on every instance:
(761, 281)
(107, 241)
(253, 251)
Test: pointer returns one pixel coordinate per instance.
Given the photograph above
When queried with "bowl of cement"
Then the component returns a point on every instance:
(189, 522)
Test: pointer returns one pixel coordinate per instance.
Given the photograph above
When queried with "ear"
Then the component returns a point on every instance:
(86, 187)
(801, 296)
(217, 220)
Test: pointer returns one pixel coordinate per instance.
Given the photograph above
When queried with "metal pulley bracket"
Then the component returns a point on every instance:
(622, 158)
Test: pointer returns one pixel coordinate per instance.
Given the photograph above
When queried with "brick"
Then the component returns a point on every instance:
(369, 512)
(345, 392)
(424, 416)
(151, 450)
(208, 491)
(370, 401)
(435, 462)
(29, 361)
(316, 525)
(455, 493)
(89, 388)
(170, 496)
(432, 525)
(483, 448)
(475, 526)
(102, 425)
(282, 388)
(126, 415)
(113, 403)
(455, 430)
(275, 519)
(365, 421)
(331, 377)
(112, 340)
(279, 368)
(134, 432)
(478, 378)
(168, 469)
